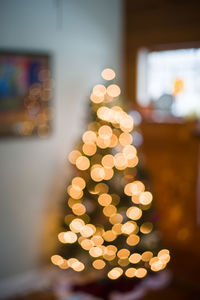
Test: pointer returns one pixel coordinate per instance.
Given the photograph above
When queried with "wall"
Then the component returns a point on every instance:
(88, 40)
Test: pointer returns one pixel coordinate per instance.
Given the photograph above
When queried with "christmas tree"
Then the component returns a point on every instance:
(109, 226)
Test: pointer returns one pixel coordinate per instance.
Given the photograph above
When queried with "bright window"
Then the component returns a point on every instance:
(173, 76)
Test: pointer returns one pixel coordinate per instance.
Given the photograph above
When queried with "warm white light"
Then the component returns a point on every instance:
(108, 74)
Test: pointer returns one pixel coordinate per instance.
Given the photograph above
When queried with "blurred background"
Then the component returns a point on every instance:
(154, 48)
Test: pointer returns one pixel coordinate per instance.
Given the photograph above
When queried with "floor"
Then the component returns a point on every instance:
(184, 284)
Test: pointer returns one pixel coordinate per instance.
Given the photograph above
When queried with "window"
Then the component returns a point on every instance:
(170, 80)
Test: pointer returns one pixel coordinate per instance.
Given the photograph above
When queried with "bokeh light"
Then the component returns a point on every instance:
(108, 74)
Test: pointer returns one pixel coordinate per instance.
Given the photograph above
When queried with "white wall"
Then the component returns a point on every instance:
(89, 40)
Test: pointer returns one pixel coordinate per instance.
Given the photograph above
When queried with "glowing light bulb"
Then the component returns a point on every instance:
(87, 244)
(134, 213)
(89, 137)
(98, 264)
(120, 161)
(82, 163)
(67, 237)
(113, 90)
(133, 162)
(99, 90)
(113, 141)
(145, 198)
(89, 149)
(115, 219)
(76, 225)
(104, 199)
(147, 255)
(95, 251)
(123, 253)
(117, 228)
(96, 99)
(86, 231)
(108, 74)
(78, 209)
(105, 132)
(64, 265)
(125, 139)
(129, 152)
(130, 272)
(97, 173)
(128, 228)
(134, 188)
(109, 210)
(115, 273)
(123, 262)
(135, 258)
(140, 273)
(108, 161)
(75, 192)
(73, 156)
(71, 261)
(101, 188)
(164, 256)
(97, 240)
(109, 236)
(132, 240)
(78, 182)
(108, 173)
(126, 123)
(57, 260)
(103, 143)
(78, 266)
(146, 227)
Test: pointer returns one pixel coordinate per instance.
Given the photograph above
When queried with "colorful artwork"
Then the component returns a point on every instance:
(25, 91)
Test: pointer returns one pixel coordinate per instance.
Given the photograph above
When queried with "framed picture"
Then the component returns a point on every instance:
(25, 94)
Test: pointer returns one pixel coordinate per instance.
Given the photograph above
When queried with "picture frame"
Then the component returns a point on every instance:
(25, 94)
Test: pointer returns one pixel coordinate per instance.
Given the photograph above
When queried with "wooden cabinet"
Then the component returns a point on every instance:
(171, 156)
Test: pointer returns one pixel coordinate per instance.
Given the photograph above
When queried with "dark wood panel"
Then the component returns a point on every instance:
(172, 157)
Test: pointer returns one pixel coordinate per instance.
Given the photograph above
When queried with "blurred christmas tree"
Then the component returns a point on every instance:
(109, 227)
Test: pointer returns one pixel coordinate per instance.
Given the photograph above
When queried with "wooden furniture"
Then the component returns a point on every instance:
(172, 158)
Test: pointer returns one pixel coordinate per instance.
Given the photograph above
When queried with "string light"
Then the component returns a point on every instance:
(108, 74)
(141, 272)
(97, 173)
(134, 213)
(104, 199)
(82, 163)
(57, 260)
(135, 258)
(130, 272)
(67, 237)
(78, 182)
(98, 264)
(76, 225)
(106, 147)
(99, 90)
(132, 240)
(78, 209)
(145, 198)
(123, 253)
(115, 273)
(73, 156)
(89, 137)
(89, 149)
(147, 255)
(146, 227)
(108, 161)
(113, 90)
